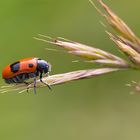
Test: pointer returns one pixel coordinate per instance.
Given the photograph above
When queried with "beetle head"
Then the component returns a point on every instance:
(43, 66)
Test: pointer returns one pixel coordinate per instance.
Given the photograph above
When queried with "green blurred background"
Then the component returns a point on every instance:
(100, 108)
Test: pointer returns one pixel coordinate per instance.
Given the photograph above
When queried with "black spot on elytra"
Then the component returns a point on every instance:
(15, 67)
(31, 65)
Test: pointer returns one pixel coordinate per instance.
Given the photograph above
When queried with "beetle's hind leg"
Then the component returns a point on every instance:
(27, 83)
(44, 82)
(35, 85)
(23, 78)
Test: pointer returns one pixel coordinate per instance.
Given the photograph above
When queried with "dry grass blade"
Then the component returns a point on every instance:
(87, 55)
(110, 63)
(61, 78)
(126, 40)
(87, 52)
(75, 46)
(119, 25)
(133, 55)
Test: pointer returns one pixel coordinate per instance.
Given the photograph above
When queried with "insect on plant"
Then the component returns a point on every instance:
(123, 37)
(24, 69)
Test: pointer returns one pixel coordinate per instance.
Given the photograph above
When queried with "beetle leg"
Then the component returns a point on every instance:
(44, 82)
(27, 85)
(34, 85)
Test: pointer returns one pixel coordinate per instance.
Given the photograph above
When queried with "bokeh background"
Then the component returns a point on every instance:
(100, 108)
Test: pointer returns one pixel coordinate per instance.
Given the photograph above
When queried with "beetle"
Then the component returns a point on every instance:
(25, 69)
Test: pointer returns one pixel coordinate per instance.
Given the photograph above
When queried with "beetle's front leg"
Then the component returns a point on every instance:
(44, 82)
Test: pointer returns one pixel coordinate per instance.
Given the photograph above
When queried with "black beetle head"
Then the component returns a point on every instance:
(43, 66)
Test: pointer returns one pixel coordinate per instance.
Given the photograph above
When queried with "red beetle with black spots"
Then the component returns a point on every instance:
(24, 69)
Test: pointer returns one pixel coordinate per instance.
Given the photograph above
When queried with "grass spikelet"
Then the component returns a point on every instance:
(62, 78)
(88, 52)
(119, 25)
(72, 46)
(133, 55)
